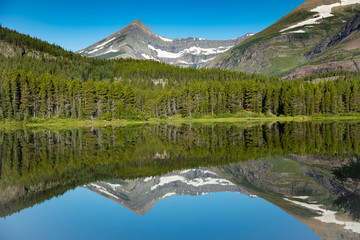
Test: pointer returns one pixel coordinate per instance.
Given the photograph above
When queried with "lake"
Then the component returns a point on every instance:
(293, 180)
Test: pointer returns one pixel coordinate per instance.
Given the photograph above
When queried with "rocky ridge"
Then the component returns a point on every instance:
(338, 52)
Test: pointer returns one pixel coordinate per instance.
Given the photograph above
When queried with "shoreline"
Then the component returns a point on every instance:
(50, 123)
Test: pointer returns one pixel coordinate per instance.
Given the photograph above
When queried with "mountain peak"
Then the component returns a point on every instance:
(137, 40)
(138, 23)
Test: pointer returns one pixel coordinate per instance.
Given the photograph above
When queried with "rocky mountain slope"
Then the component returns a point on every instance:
(337, 52)
(139, 42)
(289, 43)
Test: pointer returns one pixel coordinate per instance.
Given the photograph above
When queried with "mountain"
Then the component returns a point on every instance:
(138, 41)
(337, 52)
(293, 42)
(140, 195)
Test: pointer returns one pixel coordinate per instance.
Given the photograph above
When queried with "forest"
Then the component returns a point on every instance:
(45, 81)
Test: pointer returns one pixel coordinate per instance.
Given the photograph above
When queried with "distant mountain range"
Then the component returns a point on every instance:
(316, 37)
(138, 41)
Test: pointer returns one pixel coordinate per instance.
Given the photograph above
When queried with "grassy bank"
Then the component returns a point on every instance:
(63, 123)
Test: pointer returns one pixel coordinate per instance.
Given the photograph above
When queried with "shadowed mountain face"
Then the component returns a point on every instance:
(285, 48)
(137, 41)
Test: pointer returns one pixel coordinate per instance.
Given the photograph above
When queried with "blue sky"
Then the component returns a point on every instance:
(76, 24)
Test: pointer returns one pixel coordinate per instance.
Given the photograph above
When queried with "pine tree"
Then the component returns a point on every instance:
(326, 105)
(129, 96)
(73, 109)
(80, 112)
(317, 99)
(120, 110)
(90, 99)
(355, 97)
(26, 100)
(107, 116)
(15, 92)
(212, 98)
(1, 115)
(268, 101)
(250, 96)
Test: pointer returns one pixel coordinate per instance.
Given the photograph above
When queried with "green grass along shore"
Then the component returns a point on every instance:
(255, 118)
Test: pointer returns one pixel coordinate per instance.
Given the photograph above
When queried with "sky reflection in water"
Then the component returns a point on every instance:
(82, 214)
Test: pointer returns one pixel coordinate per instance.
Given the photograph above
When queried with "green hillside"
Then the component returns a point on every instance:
(275, 52)
(40, 80)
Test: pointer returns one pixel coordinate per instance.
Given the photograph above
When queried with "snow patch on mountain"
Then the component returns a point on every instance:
(324, 11)
(185, 62)
(110, 50)
(145, 56)
(328, 216)
(106, 42)
(164, 38)
(169, 195)
(100, 46)
(298, 31)
(92, 51)
(164, 54)
(192, 50)
(301, 197)
(103, 190)
(148, 179)
(207, 60)
(196, 182)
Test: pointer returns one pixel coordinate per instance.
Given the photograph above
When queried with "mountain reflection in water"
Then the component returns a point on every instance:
(306, 169)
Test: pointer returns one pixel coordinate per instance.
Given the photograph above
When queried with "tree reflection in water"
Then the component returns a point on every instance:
(349, 201)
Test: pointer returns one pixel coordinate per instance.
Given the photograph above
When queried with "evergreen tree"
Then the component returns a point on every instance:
(90, 99)
(1, 115)
(129, 96)
(107, 116)
(26, 100)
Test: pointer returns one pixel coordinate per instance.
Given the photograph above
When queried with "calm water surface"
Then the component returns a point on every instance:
(273, 181)
(81, 214)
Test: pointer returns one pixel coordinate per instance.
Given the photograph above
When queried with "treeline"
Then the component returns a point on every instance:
(26, 42)
(143, 73)
(24, 95)
(288, 98)
(68, 85)
(332, 74)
